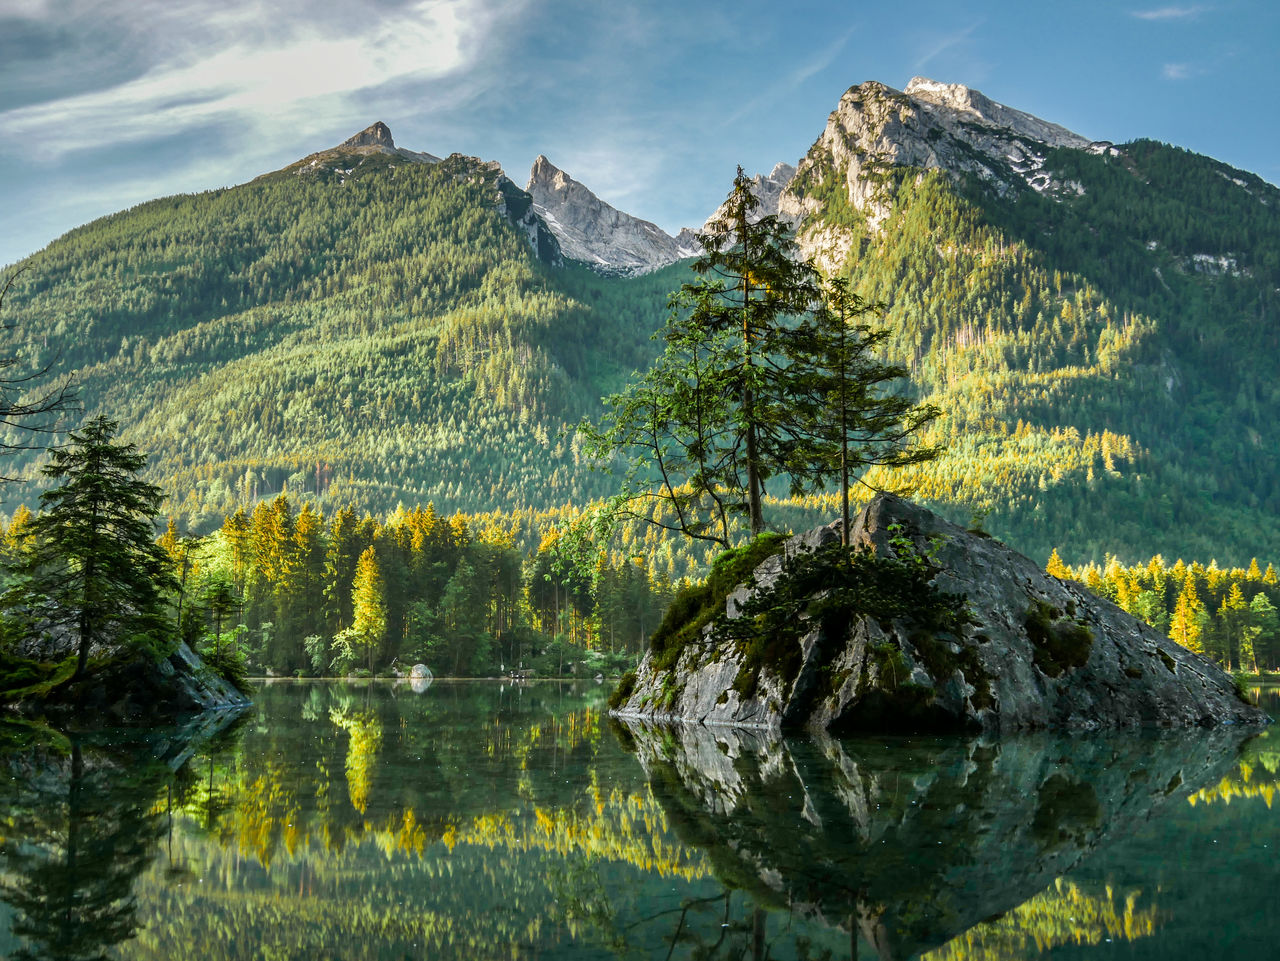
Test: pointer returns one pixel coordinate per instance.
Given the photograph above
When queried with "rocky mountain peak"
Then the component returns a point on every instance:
(546, 173)
(376, 135)
(929, 126)
(975, 106)
(592, 231)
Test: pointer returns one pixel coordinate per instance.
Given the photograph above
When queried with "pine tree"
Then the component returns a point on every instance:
(752, 282)
(1055, 567)
(93, 565)
(712, 417)
(847, 417)
(1184, 628)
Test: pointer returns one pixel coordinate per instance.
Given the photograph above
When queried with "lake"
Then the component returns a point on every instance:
(486, 820)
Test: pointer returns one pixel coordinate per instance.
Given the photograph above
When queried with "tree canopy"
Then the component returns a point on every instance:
(91, 570)
(765, 373)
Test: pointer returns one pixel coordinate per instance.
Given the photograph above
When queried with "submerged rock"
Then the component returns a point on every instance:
(1027, 651)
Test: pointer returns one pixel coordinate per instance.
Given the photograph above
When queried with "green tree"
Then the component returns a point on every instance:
(369, 604)
(1263, 630)
(850, 418)
(94, 566)
(751, 283)
(713, 417)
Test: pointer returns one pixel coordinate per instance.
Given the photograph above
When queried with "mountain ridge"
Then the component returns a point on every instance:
(594, 232)
(1097, 320)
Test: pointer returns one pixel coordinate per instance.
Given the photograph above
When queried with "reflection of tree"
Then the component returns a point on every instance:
(1063, 914)
(1256, 776)
(365, 731)
(81, 833)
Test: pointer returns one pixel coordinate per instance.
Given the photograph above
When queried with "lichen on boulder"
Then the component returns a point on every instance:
(923, 626)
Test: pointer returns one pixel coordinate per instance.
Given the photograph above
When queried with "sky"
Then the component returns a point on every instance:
(108, 103)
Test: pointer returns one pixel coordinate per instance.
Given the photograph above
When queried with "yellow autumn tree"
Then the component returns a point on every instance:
(1184, 628)
(369, 606)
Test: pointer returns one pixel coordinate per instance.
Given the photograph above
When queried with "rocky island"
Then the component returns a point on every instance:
(990, 642)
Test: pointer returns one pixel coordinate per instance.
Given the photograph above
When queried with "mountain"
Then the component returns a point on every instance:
(372, 326)
(929, 126)
(1097, 319)
(362, 326)
(769, 190)
(591, 231)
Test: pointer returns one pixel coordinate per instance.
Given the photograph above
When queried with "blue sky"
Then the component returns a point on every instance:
(107, 103)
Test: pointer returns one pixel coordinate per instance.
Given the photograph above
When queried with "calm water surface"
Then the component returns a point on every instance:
(479, 820)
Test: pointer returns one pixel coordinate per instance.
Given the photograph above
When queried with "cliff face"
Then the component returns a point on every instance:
(928, 126)
(1027, 651)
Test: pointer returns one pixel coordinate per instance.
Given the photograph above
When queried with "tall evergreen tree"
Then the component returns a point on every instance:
(93, 566)
(712, 417)
(751, 282)
(369, 604)
(848, 416)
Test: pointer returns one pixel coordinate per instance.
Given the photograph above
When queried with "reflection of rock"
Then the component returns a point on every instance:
(1034, 651)
(917, 840)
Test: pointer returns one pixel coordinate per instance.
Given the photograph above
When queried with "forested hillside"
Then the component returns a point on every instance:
(368, 334)
(366, 331)
(1104, 343)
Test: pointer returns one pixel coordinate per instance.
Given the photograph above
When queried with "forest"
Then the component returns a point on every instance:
(374, 340)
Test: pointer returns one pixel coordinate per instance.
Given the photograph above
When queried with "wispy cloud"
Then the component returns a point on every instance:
(937, 46)
(1177, 71)
(1169, 13)
(810, 67)
(240, 65)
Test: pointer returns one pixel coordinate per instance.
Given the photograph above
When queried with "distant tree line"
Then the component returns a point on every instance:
(1227, 614)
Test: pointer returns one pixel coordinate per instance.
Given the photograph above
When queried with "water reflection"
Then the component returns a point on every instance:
(366, 821)
(81, 824)
(909, 843)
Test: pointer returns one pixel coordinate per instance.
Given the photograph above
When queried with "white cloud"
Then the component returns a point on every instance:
(256, 68)
(1176, 71)
(28, 9)
(1169, 13)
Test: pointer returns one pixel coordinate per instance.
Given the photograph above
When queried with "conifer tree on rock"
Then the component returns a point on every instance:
(846, 415)
(767, 372)
(93, 568)
(711, 418)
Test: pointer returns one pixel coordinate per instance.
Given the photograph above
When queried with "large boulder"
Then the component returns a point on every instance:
(1029, 651)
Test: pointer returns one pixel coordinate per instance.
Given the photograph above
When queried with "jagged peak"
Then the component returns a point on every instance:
(965, 100)
(781, 173)
(593, 231)
(375, 135)
(546, 173)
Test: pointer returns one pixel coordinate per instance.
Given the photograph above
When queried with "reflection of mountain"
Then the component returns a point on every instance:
(81, 822)
(914, 845)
